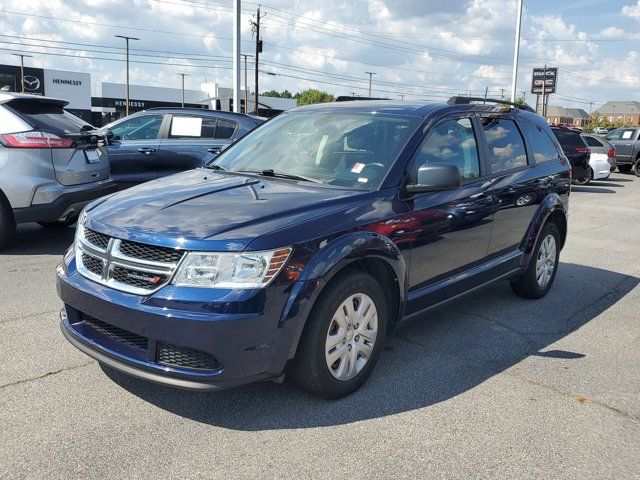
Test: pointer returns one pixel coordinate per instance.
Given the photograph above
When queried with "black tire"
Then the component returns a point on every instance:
(309, 370)
(527, 285)
(624, 168)
(7, 223)
(585, 180)
(636, 168)
(59, 223)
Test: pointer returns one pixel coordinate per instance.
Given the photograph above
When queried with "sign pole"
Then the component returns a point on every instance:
(514, 75)
(236, 56)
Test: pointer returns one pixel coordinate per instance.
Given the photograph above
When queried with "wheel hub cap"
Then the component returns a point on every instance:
(351, 336)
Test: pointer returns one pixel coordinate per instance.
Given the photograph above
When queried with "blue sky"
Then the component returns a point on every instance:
(417, 48)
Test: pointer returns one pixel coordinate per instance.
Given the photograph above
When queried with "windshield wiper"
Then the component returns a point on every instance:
(272, 173)
(214, 166)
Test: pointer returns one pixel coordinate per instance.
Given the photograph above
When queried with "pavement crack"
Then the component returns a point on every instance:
(578, 398)
(25, 317)
(45, 375)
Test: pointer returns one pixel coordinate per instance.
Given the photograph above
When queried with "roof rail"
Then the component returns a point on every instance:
(467, 100)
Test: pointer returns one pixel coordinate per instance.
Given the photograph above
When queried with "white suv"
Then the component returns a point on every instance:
(52, 163)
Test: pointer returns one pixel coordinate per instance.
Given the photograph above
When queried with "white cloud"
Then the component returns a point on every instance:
(632, 11)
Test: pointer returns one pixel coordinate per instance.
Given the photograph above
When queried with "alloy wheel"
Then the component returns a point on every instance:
(546, 261)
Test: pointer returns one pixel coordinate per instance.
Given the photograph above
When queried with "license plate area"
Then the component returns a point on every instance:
(92, 156)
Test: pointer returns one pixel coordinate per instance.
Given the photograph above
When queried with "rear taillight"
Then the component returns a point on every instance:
(34, 139)
(611, 153)
(582, 149)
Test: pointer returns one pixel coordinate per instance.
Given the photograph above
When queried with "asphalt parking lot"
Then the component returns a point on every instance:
(491, 386)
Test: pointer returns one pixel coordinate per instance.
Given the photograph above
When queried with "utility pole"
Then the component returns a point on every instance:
(371, 74)
(22, 56)
(126, 39)
(502, 94)
(255, 24)
(544, 95)
(402, 97)
(516, 52)
(183, 75)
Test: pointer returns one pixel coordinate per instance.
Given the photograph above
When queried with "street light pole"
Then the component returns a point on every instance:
(246, 84)
(371, 74)
(183, 75)
(235, 64)
(516, 52)
(126, 39)
(21, 55)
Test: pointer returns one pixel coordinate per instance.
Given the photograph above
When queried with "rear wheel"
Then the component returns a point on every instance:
(636, 168)
(7, 222)
(537, 280)
(585, 180)
(343, 338)
(624, 168)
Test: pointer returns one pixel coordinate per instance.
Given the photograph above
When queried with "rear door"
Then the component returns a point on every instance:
(193, 141)
(133, 150)
(623, 140)
(79, 156)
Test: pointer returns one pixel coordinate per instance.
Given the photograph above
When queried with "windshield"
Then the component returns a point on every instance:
(353, 150)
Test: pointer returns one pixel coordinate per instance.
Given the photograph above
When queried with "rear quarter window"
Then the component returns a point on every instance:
(567, 138)
(48, 116)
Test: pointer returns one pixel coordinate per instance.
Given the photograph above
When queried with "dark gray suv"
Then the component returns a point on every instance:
(52, 163)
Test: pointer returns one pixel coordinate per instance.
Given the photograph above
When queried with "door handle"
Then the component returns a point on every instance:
(214, 149)
(146, 150)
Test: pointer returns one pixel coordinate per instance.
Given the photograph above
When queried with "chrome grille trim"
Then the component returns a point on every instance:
(113, 257)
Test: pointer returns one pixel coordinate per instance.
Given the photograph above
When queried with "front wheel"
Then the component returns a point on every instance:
(343, 338)
(537, 280)
(636, 168)
(624, 168)
(7, 223)
(585, 180)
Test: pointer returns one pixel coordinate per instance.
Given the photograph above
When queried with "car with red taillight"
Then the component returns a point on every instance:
(577, 152)
(52, 163)
(603, 157)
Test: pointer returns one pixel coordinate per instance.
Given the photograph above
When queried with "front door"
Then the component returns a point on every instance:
(451, 229)
(133, 149)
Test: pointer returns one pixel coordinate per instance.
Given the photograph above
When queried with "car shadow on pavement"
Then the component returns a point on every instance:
(32, 239)
(447, 352)
(591, 189)
(605, 183)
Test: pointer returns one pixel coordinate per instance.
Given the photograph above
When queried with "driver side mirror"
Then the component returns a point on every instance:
(435, 177)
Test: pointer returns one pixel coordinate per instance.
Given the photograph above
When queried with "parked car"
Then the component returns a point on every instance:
(603, 157)
(158, 142)
(578, 153)
(568, 126)
(52, 163)
(299, 247)
(600, 130)
(625, 141)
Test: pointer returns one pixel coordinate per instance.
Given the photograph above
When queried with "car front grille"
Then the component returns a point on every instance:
(125, 265)
(116, 333)
(183, 357)
(96, 239)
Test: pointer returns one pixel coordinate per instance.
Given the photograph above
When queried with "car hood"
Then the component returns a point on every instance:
(207, 210)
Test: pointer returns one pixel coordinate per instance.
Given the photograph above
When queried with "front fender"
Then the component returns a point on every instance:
(330, 258)
(549, 205)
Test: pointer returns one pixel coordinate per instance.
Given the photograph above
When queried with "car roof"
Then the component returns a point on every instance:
(6, 97)
(202, 111)
(413, 108)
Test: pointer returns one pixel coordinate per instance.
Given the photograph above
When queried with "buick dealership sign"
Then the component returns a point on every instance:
(544, 80)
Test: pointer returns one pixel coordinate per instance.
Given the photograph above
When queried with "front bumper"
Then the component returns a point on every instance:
(67, 202)
(251, 334)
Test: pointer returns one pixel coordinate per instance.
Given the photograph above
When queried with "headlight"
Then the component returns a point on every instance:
(230, 270)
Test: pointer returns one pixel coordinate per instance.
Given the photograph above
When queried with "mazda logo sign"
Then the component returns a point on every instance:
(31, 83)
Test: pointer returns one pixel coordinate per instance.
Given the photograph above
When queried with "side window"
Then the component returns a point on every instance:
(593, 142)
(225, 129)
(628, 134)
(451, 141)
(615, 135)
(144, 127)
(505, 144)
(539, 141)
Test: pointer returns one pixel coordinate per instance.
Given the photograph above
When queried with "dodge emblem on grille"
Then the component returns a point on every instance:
(144, 278)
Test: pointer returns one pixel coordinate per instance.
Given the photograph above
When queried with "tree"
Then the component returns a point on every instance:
(275, 93)
(313, 95)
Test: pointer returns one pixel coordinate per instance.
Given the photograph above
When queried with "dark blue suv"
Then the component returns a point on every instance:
(158, 142)
(303, 244)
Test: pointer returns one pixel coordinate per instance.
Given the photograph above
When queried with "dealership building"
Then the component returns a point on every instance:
(102, 103)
